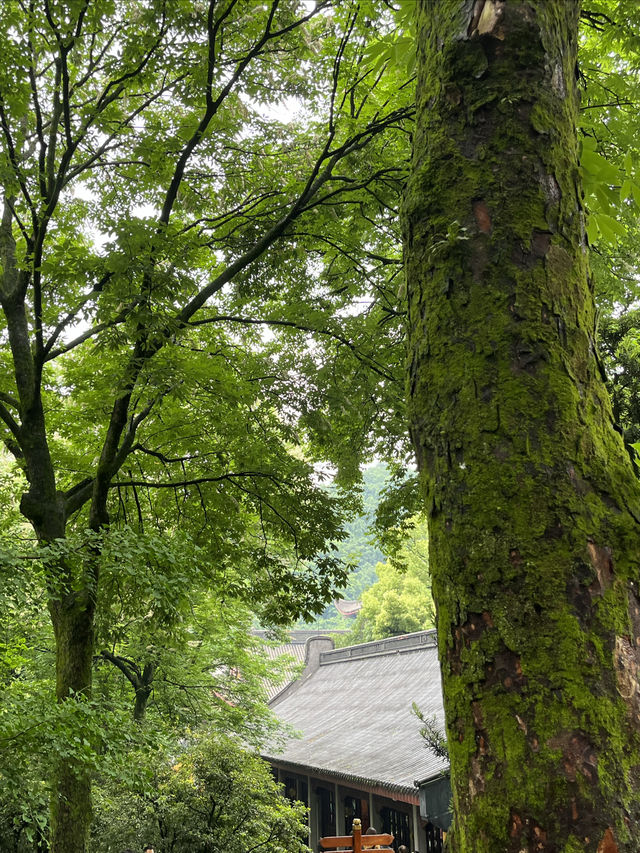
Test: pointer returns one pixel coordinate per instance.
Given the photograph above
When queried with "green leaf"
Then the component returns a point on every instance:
(628, 163)
(596, 166)
(626, 191)
(609, 227)
(592, 230)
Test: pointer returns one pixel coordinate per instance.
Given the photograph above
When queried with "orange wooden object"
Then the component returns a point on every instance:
(356, 842)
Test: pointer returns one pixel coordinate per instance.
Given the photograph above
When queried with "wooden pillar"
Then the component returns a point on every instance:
(308, 804)
(357, 835)
(419, 840)
(314, 817)
(339, 811)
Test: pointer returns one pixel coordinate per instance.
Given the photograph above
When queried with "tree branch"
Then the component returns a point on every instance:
(127, 667)
(71, 315)
(10, 422)
(375, 366)
(49, 354)
(178, 484)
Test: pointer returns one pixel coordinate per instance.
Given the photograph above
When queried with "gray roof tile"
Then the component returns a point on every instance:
(355, 714)
(294, 653)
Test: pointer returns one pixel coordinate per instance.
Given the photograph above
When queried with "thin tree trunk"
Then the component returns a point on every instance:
(72, 611)
(144, 690)
(533, 505)
(140, 679)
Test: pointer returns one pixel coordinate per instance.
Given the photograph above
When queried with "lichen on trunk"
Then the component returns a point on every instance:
(533, 507)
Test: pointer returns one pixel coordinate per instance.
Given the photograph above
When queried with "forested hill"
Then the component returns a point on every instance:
(359, 549)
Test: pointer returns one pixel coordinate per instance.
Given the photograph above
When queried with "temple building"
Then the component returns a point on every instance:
(359, 752)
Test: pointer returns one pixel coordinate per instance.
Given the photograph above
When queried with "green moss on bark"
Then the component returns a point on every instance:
(532, 501)
(71, 808)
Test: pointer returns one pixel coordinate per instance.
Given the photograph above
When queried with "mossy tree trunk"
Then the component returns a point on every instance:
(71, 810)
(534, 509)
(72, 611)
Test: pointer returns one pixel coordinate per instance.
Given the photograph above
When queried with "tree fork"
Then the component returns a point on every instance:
(533, 506)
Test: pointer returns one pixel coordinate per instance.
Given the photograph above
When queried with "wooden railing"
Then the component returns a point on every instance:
(357, 842)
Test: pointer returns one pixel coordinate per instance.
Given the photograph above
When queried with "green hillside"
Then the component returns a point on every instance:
(359, 549)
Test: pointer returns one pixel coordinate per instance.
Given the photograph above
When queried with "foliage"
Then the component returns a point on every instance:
(435, 740)
(400, 601)
(609, 77)
(609, 122)
(210, 797)
(207, 670)
(27, 724)
(358, 550)
(200, 305)
(212, 375)
(177, 626)
(620, 348)
(359, 547)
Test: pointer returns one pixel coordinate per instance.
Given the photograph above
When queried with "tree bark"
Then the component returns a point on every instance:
(140, 679)
(71, 811)
(532, 502)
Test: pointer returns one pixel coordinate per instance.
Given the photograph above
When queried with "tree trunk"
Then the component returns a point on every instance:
(71, 790)
(533, 505)
(72, 613)
(144, 689)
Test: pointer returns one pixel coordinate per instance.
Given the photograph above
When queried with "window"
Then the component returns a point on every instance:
(352, 809)
(326, 811)
(434, 838)
(397, 823)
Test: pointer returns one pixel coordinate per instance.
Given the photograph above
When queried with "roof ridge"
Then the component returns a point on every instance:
(376, 648)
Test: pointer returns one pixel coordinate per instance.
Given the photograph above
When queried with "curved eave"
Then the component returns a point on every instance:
(405, 793)
(420, 782)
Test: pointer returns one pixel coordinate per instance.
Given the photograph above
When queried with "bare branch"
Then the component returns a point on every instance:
(127, 667)
(168, 460)
(9, 400)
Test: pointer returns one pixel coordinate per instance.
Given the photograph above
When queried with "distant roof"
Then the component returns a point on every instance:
(354, 713)
(347, 607)
(295, 650)
(299, 635)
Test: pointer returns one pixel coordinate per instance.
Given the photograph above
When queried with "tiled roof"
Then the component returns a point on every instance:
(295, 651)
(354, 713)
(299, 635)
(347, 607)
